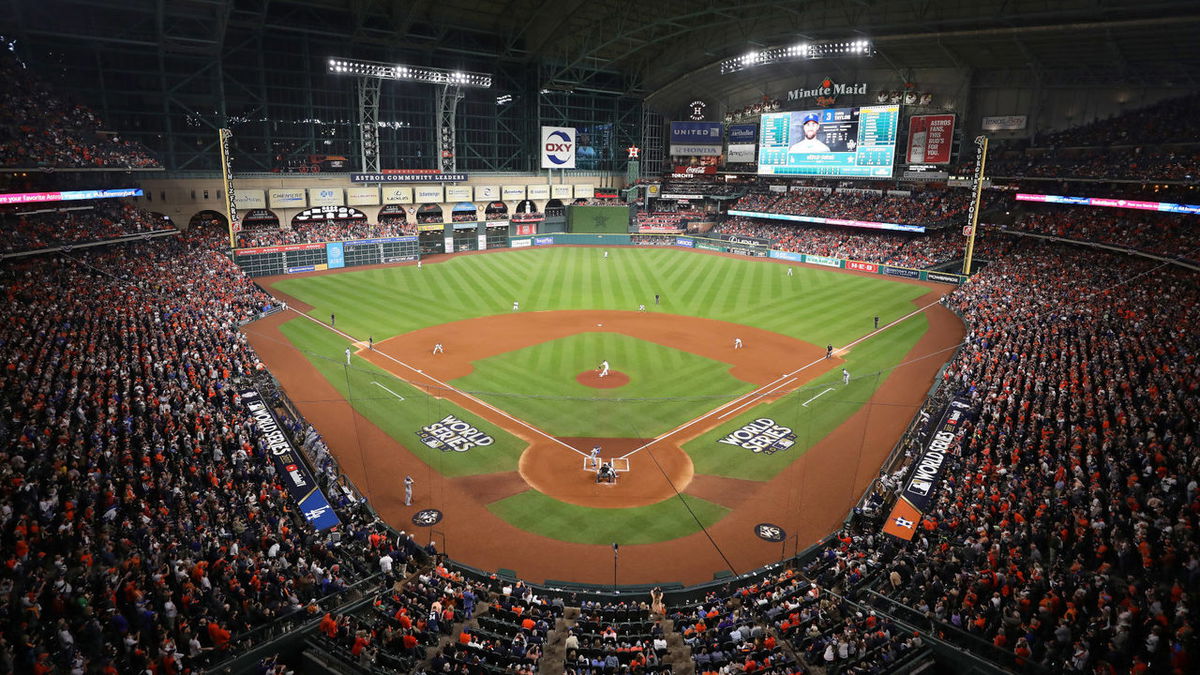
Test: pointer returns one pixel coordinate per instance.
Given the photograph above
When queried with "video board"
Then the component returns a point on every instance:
(831, 142)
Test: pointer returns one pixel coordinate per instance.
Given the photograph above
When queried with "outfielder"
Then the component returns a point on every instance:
(516, 306)
(790, 270)
(438, 349)
(604, 369)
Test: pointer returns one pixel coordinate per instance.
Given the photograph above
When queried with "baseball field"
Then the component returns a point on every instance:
(726, 455)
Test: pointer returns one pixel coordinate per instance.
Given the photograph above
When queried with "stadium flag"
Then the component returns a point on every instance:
(902, 521)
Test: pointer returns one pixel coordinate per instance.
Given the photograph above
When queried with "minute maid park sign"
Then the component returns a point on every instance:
(827, 89)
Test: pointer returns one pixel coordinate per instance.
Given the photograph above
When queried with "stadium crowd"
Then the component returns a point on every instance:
(930, 207)
(1165, 234)
(325, 230)
(39, 128)
(1065, 534)
(29, 228)
(144, 527)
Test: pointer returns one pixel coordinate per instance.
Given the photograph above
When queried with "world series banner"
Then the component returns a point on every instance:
(919, 491)
(289, 465)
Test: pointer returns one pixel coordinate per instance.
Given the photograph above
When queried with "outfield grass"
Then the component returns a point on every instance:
(868, 364)
(550, 397)
(812, 305)
(534, 512)
(400, 419)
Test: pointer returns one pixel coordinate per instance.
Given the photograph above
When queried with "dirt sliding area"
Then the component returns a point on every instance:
(808, 499)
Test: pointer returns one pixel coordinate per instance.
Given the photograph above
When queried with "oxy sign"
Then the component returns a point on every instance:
(558, 147)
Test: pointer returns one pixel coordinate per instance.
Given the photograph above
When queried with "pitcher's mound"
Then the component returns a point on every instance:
(591, 378)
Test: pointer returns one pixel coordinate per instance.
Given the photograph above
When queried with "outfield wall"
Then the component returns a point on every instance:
(297, 258)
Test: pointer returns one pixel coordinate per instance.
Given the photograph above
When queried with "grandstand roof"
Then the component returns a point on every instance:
(632, 47)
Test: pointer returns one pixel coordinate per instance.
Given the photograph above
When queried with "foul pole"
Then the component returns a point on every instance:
(227, 180)
(981, 145)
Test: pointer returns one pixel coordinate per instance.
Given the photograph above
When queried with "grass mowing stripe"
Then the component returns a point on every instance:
(534, 512)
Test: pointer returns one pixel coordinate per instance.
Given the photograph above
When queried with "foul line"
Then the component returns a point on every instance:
(387, 390)
(761, 392)
(727, 413)
(452, 389)
(805, 404)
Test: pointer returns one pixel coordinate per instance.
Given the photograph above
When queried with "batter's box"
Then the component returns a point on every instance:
(619, 464)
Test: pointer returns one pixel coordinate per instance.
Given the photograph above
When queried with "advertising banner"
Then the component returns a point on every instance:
(251, 199)
(278, 249)
(397, 195)
(787, 255)
(558, 147)
(287, 199)
(685, 242)
(431, 227)
(67, 196)
(520, 243)
(919, 491)
(748, 241)
(335, 255)
(743, 133)
(829, 221)
(430, 194)
(289, 465)
(538, 191)
(325, 197)
(458, 193)
(742, 154)
(930, 139)
(362, 196)
(1165, 207)
(513, 193)
(696, 138)
(526, 229)
(408, 177)
(560, 192)
(709, 247)
(487, 193)
(1005, 122)
(543, 241)
(944, 278)
(900, 272)
(585, 191)
(822, 260)
(862, 266)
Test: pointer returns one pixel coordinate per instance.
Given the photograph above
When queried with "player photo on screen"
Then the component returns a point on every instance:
(830, 142)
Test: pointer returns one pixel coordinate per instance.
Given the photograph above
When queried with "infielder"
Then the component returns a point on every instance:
(604, 369)
(438, 349)
(642, 308)
(737, 343)
(516, 306)
(408, 483)
(845, 376)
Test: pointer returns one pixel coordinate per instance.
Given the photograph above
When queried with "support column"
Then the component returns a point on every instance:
(448, 96)
(368, 123)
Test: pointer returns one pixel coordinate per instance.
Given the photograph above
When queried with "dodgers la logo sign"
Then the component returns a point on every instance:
(558, 147)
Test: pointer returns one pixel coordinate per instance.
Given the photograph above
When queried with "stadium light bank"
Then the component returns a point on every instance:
(804, 50)
(385, 71)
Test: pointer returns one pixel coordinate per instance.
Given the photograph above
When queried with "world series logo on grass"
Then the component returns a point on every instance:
(762, 435)
(451, 433)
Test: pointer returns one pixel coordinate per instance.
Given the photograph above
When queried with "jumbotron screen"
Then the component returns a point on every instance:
(831, 142)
